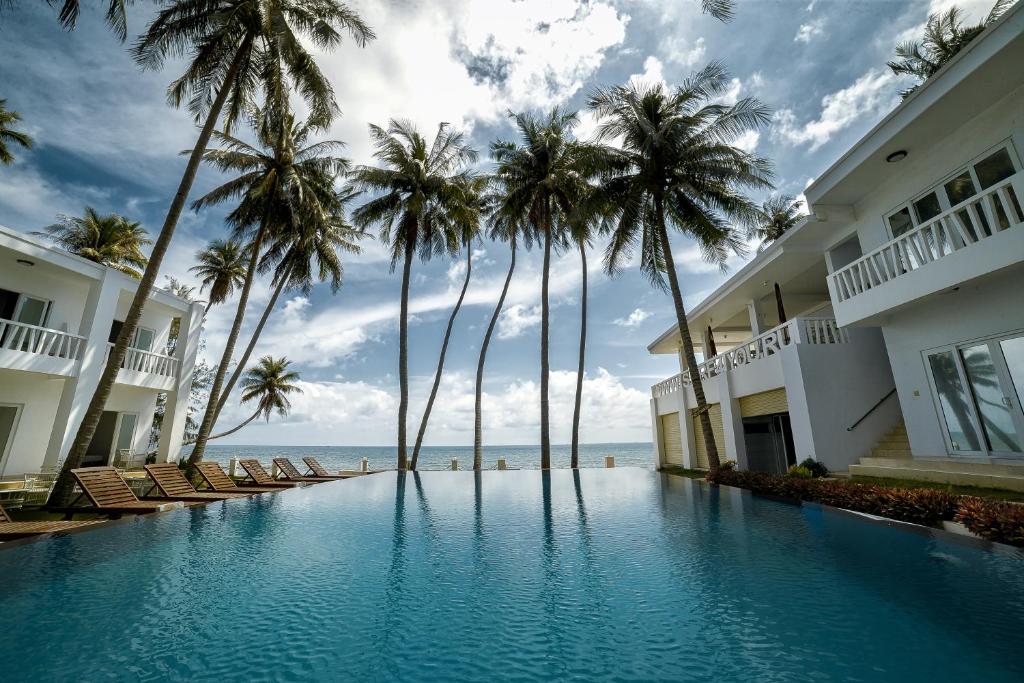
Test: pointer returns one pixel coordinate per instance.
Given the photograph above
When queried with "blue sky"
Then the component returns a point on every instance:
(106, 138)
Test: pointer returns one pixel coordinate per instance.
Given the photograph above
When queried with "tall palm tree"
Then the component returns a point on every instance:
(275, 180)
(544, 176)
(268, 383)
(580, 235)
(944, 36)
(779, 213)
(221, 267)
(302, 254)
(473, 201)
(235, 47)
(675, 166)
(419, 209)
(8, 135)
(112, 240)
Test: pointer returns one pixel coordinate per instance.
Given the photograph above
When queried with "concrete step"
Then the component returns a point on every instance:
(992, 481)
(894, 453)
(946, 465)
(894, 444)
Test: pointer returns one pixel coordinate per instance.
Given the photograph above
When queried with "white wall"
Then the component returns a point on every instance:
(125, 399)
(38, 395)
(982, 308)
(155, 316)
(67, 291)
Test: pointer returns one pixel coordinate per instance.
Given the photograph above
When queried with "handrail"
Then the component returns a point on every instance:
(871, 410)
(15, 336)
(151, 362)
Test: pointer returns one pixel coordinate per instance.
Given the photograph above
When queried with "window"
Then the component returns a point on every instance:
(142, 339)
(958, 190)
(9, 414)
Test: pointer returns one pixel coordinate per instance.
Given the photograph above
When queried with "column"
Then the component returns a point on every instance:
(756, 317)
(176, 409)
(732, 424)
(100, 307)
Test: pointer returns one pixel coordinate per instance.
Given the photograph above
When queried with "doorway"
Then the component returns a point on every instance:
(769, 442)
(9, 414)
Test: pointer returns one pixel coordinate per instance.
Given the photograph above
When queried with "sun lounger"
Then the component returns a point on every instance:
(171, 482)
(259, 476)
(318, 470)
(291, 473)
(109, 493)
(218, 480)
(9, 529)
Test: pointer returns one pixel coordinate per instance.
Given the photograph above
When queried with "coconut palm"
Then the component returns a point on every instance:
(544, 179)
(580, 235)
(420, 209)
(473, 200)
(110, 239)
(9, 135)
(221, 267)
(235, 49)
(268, 383)
(302, 254)
(779, 213)
(276, 179)
(675, 166)
(944, 36)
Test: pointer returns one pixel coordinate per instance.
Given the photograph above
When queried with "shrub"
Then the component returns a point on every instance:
(1001, 522)
(920, 506)
(799, 472)
(727, 465)
(817, 469)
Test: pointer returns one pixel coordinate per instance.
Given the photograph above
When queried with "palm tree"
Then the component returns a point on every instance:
(779, 213)
(301, 254)
(112, 240)
(944, 36)
(473, 200)
(268, 383)
(544, 178)
(9, 135)
(221, 267)
(276, 180)
(675, 166)
(419, 209)
(236, 47)
(580, 235)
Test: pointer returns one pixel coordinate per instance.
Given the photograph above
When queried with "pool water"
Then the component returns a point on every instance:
(621, 574)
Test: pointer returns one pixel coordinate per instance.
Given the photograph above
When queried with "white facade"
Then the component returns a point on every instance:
(920, 230)
(58, 315)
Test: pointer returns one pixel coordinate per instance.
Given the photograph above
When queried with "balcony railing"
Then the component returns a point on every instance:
(996, 209)
(148, 362)
(16, 336)
(668, 386)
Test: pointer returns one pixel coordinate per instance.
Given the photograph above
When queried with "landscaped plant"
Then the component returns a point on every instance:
(799, 472)
(817, 469)
(1002, 522)
(728, 465)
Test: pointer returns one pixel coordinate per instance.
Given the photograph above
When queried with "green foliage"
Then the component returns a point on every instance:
(8, 134)
(816, 468)
(112, 240)
(221, 267)
(799, 472)
(268, 383)
(779, 213)
(727, 465)
(1001, 522)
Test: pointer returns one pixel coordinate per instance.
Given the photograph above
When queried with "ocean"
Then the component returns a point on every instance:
(440, 457)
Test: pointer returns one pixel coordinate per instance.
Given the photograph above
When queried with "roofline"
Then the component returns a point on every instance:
(846, 164)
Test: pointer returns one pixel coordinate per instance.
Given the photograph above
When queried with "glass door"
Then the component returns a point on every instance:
(9, 413)
(124, 445)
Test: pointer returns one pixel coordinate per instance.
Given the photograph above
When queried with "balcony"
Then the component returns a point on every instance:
(978, 236)
(39, 349)
(147, 369)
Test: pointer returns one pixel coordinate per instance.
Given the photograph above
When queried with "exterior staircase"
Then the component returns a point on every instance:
(891, 458)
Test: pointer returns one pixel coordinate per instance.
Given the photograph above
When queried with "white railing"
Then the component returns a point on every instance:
(16, 336)
(801, 330)
(668, 386)
(994, 210)
(138, 360)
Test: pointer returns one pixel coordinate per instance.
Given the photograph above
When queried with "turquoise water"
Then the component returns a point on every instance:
(440, 457)
(620, 574)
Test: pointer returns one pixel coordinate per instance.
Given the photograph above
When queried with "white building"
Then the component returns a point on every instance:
(58, 315)
(907, 275)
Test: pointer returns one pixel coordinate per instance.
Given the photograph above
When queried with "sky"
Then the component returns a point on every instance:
(106, 138)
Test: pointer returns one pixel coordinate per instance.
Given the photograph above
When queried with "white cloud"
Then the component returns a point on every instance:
(633, 319)
(653, 73)
(873, 93)
(748, 141)
(517, 319)
(809, 31)
(682, 52)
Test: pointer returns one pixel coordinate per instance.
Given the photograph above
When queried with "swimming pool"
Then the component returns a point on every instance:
(596, 575)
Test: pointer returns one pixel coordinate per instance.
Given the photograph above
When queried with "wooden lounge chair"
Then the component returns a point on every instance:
(172, 483)
(291, 473)
(218, 480)
(9, 529)
(319, 470)
(259, 476)
(109, 493)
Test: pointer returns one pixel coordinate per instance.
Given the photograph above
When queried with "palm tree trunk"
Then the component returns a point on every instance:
(545, 323)
(440, 361)
(230, 431)
(63, 489)
(684, 332)
(229, 346)
(403, 348)
(244, 360)
(579, 371)
(478, 440)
